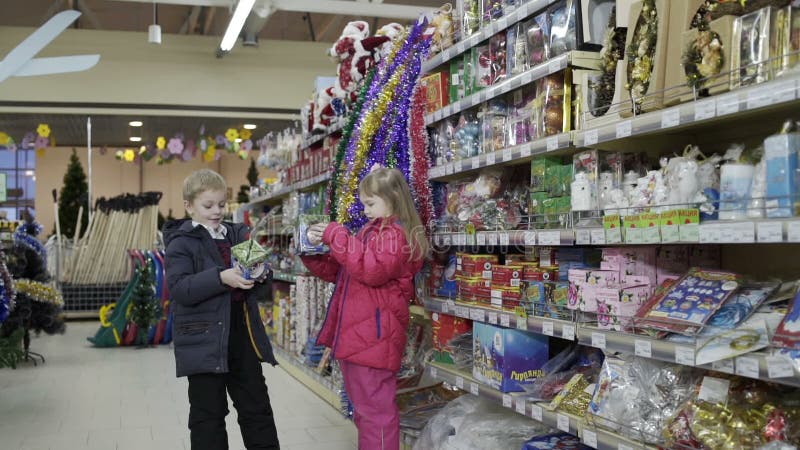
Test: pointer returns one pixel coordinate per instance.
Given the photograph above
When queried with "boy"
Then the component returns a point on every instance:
(218, 336)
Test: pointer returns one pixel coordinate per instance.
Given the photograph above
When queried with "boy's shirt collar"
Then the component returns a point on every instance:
(219, 233)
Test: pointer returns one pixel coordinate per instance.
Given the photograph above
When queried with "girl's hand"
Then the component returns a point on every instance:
(315, 233)
(234, 279)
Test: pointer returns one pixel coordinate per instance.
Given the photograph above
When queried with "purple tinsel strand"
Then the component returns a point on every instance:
(396, 129)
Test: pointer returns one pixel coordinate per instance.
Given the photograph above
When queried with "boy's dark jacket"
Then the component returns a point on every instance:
(203, 304)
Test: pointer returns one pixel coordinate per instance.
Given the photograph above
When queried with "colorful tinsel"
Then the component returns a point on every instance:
(39, 292)
(387, 129)
(24, 235)
(7, 294)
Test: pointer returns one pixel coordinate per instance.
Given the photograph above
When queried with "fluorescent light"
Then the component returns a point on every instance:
(243, 9)
(28, 173)
(250, 126)
(135, 139)
(135, 123)
(238, 140)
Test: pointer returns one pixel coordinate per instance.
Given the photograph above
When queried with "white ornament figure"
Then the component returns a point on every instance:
(682, 180)
(581, 193)
(617, 203)
(629, 183)
(604, 188)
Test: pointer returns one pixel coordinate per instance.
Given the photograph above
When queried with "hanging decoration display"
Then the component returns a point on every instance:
(178, 148)
(38, 140)
(641, 53)
(385, 129)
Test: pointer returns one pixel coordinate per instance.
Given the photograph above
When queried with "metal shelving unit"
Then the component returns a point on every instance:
(318, 384)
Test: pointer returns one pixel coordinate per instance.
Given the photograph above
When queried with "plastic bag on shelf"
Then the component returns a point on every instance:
(563, 34)
(537, 33)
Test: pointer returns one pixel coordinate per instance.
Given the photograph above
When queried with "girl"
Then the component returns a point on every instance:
(368, 313)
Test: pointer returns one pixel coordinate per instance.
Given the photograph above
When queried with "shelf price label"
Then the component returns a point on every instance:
(759, 97)
(598, 236)
(536, 412)
(504, 239)
(490, 159)
(505, 320)
(705, 109)
(599, 340)
(460, 382)
(476, 314)
(562, 422)
(522, 323)
(507, 400)
(671, 118)
(529, 237)
(549, 238)
(643, 348)
(552, 143)
(491, 238)
(725, 366)
(525, 150)
(623, 446)
(747, 366)
(624, 129)
(793, 231)
(481, 238)
(568, 332)
(583, 236)
(474, 389)
(521, 406)
(589, 438)
(779, 367)
(458, 166)
(547, 328)
(770, 231)
(728, 104)
(434, 372)
(590, 137)
(492, 317)
(508, 154)
(684, 355)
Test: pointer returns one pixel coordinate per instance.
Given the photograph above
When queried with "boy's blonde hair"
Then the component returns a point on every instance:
(200, 181)
(391, 186)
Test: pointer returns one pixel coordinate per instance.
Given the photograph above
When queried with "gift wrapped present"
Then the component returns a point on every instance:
(250, 257)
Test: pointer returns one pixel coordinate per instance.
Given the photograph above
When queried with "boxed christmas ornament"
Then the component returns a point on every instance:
(788, 37)
(706, 55)
(754, 44)
(506, 359)
(445, 329)
(537, 34)
(646, 55)
(436, 91)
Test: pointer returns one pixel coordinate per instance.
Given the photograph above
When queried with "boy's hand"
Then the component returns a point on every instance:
(234, 279)
(315, 233)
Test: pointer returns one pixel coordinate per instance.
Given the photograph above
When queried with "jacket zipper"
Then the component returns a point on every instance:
(378, 320)
(250, 331)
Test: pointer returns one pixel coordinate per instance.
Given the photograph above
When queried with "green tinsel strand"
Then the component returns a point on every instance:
(341, 147)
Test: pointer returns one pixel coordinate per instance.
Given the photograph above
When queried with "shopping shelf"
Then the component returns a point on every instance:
(318, 384)
(590, 435)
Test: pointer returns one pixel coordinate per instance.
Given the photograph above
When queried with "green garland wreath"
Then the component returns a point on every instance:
(703, 59)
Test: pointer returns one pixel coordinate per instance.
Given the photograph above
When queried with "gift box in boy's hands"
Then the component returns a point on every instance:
(505, 358)
(250, 257)
(302, 244)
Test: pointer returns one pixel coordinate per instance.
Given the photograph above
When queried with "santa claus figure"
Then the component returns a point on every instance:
(354, 52)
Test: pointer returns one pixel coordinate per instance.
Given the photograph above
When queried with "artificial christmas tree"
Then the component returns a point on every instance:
(252, 178)
(145, 309)
(74, 195)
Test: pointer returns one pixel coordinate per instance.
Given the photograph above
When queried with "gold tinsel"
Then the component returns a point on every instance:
(38, 292)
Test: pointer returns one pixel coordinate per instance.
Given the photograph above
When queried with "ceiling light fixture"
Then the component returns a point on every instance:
(238, 140)
(243, 9)
(28, 173)
(154, 30)
(249, 126)
(135, 123)
(135, 139)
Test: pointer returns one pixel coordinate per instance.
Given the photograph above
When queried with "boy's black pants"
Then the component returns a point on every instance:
(246, 385)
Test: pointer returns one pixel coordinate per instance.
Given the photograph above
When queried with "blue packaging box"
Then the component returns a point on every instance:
(780, 153)
(506, 359)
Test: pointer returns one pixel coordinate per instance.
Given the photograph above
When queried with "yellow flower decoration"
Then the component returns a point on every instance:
(245, 134)
(129, 155)
(43, 130)
(209, 155)
(243, 154)
(4, 138)
(119, 154)
(161, 142)
(231, 134)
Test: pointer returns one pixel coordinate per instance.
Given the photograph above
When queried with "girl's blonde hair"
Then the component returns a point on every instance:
(391, 187)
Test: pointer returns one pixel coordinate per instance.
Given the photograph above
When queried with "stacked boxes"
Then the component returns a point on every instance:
(506, 359)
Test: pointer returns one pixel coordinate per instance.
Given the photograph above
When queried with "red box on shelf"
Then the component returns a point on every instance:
(477, 266)
(436, 91)
(540, 274)
(509, 275)
(445, 329)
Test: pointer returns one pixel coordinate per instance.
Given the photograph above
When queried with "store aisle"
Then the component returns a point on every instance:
(123, 398)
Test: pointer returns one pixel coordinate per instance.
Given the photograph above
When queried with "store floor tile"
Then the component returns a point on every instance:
(86, 398)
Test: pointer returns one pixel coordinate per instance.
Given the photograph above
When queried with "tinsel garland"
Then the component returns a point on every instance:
(24, 238)
(383, 134)
(38, 292)
(7, 293)
(420, 160)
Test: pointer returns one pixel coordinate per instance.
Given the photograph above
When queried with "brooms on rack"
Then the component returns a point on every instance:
(118, 224)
